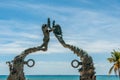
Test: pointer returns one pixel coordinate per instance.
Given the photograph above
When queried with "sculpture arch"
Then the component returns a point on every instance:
(16, 66)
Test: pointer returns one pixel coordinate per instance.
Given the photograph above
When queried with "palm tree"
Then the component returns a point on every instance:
(115, 58)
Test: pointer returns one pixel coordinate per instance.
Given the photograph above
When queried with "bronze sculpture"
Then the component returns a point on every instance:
(16, 66)
(87, 70)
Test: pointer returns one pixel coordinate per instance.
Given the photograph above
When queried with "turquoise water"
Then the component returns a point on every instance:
(61, 77)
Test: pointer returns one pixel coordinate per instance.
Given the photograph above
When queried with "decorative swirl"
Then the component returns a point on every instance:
(76, 61)
(28, 61)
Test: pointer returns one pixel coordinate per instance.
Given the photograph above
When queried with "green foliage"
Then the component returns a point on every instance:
(115, 58)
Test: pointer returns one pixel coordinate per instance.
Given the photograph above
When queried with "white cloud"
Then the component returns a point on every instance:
(56, 68)
(98, 46)
(44, 68)
(10, 48)
(95, 46)
(101, 46)
(27, 35)
(102, 68)
(4, 69)
(17, 47)
(52, 68)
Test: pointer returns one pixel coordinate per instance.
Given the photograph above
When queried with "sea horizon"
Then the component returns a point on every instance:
(62, 77)
(56, 75)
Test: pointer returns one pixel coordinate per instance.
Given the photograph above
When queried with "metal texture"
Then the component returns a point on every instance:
(16, 66)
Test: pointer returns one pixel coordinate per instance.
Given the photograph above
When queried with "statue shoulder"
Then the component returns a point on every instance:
(57, 29)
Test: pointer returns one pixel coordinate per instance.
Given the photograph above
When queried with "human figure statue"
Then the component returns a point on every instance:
(46, 32)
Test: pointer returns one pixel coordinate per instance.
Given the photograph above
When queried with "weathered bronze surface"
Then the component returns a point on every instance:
(16, 66)
(87, 67)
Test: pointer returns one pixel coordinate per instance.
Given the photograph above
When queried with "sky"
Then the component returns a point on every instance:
(92, 25)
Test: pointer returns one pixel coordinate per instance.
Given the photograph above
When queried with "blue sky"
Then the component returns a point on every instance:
(92, 25)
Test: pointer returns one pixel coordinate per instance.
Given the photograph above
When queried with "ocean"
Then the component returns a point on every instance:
(61, 77)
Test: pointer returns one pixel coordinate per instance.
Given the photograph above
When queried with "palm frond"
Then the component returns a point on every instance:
(110, 60)
(111, 69)
(115, 58)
